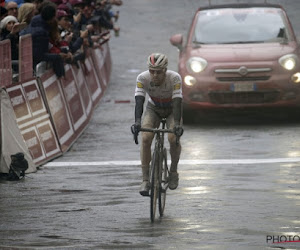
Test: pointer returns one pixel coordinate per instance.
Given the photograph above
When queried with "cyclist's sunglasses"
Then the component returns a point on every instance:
(152, 71)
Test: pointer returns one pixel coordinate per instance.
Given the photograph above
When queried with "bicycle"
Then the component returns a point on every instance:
(158, 171)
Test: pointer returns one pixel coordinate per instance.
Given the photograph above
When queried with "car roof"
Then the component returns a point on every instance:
(240, 5)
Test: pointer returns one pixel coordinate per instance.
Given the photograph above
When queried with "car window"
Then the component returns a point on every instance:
(241, 25)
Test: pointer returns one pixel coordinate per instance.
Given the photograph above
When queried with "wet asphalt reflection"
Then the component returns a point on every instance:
(231, 206)
(218, 205)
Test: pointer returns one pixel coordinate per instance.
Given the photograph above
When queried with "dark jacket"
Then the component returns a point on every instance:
(39, 30)
(14, 45)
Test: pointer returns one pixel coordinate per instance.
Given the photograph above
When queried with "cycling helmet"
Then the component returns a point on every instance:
(157, 61)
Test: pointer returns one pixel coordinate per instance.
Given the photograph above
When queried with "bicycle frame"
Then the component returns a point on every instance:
(158, 170)
(158, 173)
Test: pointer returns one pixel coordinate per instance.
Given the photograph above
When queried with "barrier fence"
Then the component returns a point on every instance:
(51, 113)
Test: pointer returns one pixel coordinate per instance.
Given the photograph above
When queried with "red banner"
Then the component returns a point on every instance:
(73, 100)
(83, 90)
(25, 58)
(5, 63)
(31, 115)
(58, 110)
(92, 79)
(98, 59)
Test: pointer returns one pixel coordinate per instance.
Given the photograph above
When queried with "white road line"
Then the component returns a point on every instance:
(185, 162)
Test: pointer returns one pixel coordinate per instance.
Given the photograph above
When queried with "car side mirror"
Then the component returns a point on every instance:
(177, 41)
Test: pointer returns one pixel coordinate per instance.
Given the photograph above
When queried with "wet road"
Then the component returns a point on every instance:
(239, 183)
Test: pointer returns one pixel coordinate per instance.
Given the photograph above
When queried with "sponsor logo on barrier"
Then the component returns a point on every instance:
(31, 115)
(99, 59)
(48, 138)
(18, 101)
(5, 63)
(41, 141)
(73, 99)
(34, 98)
(83, 90)
(58, 110)
(30, 136)
(92, 78)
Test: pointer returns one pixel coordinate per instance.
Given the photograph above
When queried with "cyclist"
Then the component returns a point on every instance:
(165, 101)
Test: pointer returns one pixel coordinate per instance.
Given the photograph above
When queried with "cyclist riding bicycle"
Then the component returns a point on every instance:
(165, 101)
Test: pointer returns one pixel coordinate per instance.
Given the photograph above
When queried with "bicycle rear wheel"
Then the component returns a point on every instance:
(164, 183)
(153, 185)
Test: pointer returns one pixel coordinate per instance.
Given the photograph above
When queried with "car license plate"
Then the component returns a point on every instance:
(243, 87)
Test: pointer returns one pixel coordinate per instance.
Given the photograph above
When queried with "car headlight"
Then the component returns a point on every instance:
(196, 64)
(288, 61)
(189, 80)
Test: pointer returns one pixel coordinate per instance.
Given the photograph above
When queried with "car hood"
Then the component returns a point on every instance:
(242, 52)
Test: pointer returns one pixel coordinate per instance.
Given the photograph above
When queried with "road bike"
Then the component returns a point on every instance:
(158, 171)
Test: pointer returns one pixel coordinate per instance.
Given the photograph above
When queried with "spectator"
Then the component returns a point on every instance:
(39, 29)
(116, 2)
(26, 13)
(103, 9)
(3, 13)
(19, 2)
(77, 7)
(65, 8)
(87, 12)
(57, 45)
(64, 25)
(6, 26)
(57, 2)
(37, 4)
(12, 9)
(2, 3)
(10, 28)
(98, 35)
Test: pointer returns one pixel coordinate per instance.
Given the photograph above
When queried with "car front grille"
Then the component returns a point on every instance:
(243, 79)
(243, 97)
(243, 74)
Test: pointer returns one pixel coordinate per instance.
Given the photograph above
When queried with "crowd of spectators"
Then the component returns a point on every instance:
(61, 30)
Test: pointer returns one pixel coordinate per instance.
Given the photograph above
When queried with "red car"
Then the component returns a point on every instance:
(239, 56)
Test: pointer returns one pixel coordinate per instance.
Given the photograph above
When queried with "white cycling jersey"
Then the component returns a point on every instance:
(162, 95)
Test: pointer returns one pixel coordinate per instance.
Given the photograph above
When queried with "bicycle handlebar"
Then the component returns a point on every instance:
(152, 130)
(157, 130)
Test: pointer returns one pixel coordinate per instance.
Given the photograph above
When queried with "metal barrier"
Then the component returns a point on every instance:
(51, 113)
(33, 120)
(5, 63)
(25, 58)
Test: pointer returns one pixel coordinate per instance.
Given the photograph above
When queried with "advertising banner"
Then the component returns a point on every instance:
(99, 61)
(25, 58)
(73, 100)
(83, 90)
(58, 109)
(5, 63)
(92, 79)
(31, 114)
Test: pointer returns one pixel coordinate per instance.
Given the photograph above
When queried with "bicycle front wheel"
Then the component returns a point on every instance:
(164, 183)
(153, 185)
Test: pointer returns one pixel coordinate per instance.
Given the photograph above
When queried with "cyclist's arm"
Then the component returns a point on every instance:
(177, 98)
(177, 109)
(139, 107)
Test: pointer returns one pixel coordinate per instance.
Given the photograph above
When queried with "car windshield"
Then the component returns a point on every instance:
(241, 25)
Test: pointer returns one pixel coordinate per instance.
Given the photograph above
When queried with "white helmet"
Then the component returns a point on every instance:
(157, 61)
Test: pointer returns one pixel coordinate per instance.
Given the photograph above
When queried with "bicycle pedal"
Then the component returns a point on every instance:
(144, 193)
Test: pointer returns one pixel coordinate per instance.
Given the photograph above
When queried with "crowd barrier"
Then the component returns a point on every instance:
(51, 113)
